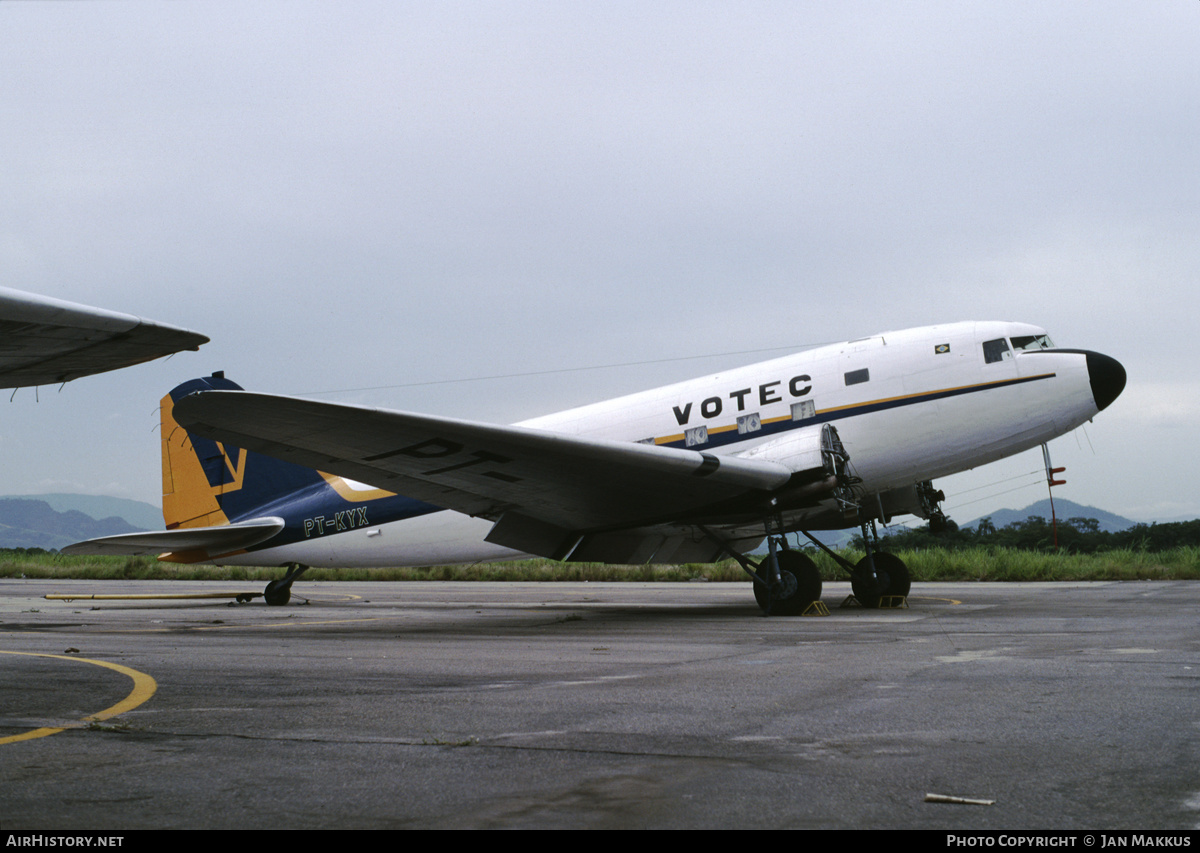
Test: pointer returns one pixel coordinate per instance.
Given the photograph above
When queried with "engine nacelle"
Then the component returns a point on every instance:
(812, 454)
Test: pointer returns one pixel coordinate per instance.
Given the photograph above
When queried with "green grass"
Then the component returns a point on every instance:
(1010, 564)
(975, 564)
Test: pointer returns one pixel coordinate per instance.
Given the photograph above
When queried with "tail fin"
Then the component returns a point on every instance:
(206, 483)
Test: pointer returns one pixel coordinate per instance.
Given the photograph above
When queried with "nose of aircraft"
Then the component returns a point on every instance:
(1107, 377)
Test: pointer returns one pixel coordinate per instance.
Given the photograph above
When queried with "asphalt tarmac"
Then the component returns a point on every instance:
(568, 705)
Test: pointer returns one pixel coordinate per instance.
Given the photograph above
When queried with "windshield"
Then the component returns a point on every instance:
(1032, 342)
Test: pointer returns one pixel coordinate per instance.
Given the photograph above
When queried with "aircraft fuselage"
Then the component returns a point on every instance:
(909, 406)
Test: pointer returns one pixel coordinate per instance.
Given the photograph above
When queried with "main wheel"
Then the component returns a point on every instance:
(891, 578)
(278, 593)
(800, 586)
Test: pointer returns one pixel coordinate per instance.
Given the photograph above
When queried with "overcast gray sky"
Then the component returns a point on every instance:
(353, 198)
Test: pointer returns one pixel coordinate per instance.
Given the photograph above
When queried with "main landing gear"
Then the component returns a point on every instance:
(786, 583)
(877, 579)
(279, 592)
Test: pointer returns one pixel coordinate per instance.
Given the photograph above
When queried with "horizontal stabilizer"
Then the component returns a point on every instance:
(212, 541)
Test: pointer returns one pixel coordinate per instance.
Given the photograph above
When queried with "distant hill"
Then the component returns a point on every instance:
(1063, 508)
(55, 521)
(140, 514)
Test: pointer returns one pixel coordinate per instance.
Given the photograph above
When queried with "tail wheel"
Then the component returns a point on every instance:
(278, 593)
(891, 578)
(800, 586)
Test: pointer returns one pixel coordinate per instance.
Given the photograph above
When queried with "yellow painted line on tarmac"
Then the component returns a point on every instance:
(283, 622)
(143, 688)
(146, 596)
(156, 596)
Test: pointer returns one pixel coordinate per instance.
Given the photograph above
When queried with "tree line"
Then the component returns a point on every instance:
(1035, 533)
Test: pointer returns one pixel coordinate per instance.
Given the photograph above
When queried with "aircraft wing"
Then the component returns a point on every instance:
(46, 341)
(545, 490)
(213, 541)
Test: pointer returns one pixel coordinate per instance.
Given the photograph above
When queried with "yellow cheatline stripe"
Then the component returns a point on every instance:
(143, 688)
(996, 383)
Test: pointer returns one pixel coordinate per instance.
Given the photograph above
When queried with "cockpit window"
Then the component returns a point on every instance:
(1032, 342)
(996, 350)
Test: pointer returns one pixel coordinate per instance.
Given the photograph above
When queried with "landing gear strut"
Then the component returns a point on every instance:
(877, 576)
(785, 583)
(279, 593)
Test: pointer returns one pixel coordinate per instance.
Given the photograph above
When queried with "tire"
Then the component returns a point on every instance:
(278, 593)
(891, 578)
(801, 581)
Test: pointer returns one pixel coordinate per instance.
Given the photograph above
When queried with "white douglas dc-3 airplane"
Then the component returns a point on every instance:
(828, 438)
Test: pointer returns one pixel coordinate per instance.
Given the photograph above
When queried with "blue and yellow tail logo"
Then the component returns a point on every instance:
(207, 483)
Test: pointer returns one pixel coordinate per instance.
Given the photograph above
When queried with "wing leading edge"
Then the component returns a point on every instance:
(544, 490)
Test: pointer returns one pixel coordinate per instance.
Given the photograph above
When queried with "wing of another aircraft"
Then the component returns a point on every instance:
(46, 341)
(544, 489)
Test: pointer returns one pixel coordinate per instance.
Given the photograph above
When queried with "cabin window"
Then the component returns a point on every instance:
(857, 377)
(997, 350)
(804, 410)
(695, 435)
(1032, 342)
(749, 423)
